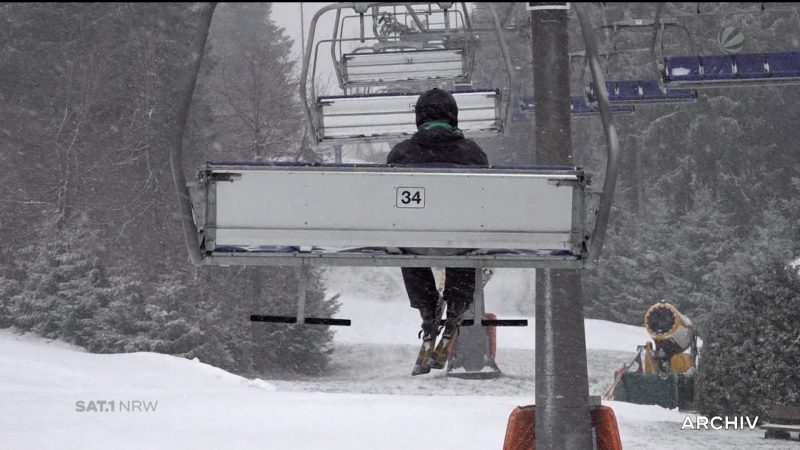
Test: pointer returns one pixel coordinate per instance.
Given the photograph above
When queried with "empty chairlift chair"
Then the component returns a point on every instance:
(382, 78)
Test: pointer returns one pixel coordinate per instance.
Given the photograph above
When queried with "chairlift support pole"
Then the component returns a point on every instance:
(337, 153)
(303, 274)
(479, 300)
(562, 386)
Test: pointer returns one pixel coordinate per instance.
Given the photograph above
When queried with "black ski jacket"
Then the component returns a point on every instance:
(438, 145)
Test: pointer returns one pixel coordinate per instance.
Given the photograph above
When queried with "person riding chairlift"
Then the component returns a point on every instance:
(437, 141)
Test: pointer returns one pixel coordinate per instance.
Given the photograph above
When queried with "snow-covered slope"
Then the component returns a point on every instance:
(201, 407)
(57, 396)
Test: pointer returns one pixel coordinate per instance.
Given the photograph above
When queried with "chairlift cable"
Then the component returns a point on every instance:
(654, 59)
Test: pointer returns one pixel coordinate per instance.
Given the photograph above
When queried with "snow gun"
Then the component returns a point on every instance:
(661, 375)
(673, 334)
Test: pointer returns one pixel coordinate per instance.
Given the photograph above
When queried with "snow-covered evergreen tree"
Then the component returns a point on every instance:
(62, 285)
(752, 339)
(752, 343)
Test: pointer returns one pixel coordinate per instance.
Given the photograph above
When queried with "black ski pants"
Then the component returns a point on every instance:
(459, 286)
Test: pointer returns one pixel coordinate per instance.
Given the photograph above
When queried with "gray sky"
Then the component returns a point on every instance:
(287, 15)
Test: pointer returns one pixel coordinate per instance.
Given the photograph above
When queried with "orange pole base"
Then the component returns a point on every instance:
(492, 331)
(520, 434)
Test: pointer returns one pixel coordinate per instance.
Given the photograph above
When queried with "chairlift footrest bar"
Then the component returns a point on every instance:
(504, 323)
(328, 321)
(497, 322)
(293, 319)
(641, 91)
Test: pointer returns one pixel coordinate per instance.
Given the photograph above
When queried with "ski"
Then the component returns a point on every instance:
(439, 356)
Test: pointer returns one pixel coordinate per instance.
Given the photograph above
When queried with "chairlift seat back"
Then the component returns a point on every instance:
(337, 206)
(407, 65)
(387, 116)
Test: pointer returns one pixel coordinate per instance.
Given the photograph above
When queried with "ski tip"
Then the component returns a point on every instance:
(420, 370)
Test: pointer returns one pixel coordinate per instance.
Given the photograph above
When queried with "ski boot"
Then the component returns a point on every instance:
(455, 314)
(429, 333)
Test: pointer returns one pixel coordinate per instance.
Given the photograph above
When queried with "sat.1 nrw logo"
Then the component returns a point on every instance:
(719, 423)
(110, 406)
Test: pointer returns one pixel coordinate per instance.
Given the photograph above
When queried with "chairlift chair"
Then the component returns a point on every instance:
(731, 68)
(637, 91)
(306, 215)
(416, 52)
(362, 215)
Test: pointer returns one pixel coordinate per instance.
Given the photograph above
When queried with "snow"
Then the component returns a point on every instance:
(680, 71)
(367, 400)
(202, 407)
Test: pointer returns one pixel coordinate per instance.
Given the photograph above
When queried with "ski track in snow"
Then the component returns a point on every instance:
(367, 400)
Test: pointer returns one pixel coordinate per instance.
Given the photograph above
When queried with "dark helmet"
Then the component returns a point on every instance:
(436, 105)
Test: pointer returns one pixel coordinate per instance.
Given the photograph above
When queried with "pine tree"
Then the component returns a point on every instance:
(253, 88)
(62, 286)
(702, 241)
(751, 340)
(631, 276)
(752, 343)
(88, 95)
(123, 325)
(9, 287)
(275, 348)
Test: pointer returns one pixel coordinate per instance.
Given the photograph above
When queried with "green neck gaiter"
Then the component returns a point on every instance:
(430, 125)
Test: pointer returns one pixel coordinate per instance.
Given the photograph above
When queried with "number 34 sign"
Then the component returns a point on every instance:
(410, 197)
